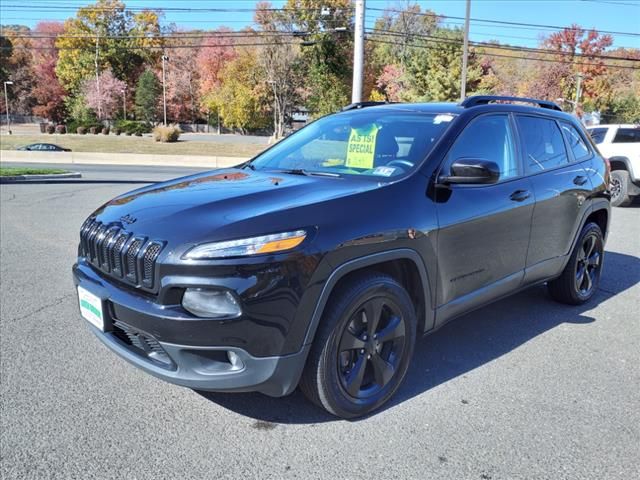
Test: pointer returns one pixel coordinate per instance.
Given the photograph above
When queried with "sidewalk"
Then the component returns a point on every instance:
(93, 158)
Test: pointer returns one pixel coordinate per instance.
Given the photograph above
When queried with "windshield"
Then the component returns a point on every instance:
(375, 143)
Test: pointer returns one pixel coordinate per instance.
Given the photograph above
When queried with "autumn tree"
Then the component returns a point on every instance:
(327, 54)
(214, 53)
(104, 95)
(577, 51)
(417, 59)
(281, 63)
(6, 50)
(105, 36)
(241, 98)
(19, 68)
(390, 84)
(183, 78)
(397, 31)
(47, 91)
(147, 96)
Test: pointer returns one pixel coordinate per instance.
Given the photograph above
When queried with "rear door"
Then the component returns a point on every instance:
(483, 229)
(560, 184)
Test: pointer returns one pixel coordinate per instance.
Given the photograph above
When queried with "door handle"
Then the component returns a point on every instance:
(520, 195)
(580, 180)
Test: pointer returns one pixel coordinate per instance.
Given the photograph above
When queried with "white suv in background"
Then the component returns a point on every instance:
(621, 145)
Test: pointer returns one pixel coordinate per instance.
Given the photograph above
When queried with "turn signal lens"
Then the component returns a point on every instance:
(277, 242)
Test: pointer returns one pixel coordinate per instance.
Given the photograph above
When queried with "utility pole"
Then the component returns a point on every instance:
(358, 53)
(465, 53)
(98, 76)
(164, 88)
(6, 103)
(578, 85)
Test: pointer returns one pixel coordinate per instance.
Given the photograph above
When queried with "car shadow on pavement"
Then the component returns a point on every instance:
(457, 348)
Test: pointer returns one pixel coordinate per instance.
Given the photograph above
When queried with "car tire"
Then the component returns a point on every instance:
(580, 278)
(363, 346)
(619, 186)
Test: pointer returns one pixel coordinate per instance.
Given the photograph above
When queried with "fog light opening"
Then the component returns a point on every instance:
(234, 360)
(210, 303)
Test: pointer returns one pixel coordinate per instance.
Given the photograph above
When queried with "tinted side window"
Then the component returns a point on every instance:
(598, 134)
(487, 138)
(542, 143)
(576, 143)
(627, 135)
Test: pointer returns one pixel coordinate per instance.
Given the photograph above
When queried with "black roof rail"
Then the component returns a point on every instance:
(354, 106)
(486, 99)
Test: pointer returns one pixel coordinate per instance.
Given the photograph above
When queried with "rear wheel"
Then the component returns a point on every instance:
(581, 277)
(619, 186)
(362, 348)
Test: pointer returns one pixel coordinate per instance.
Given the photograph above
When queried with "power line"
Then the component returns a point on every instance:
(162, 47)
(500, 22)
(613, 3)
(500, 47)
(489, 54)
(63, 8)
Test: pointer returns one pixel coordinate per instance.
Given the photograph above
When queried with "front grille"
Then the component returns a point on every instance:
(141, 344)
(129, 258)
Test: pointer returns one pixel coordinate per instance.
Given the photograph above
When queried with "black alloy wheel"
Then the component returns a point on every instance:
(363, 345)
(588, 264)
(371, 347)
(581, 276)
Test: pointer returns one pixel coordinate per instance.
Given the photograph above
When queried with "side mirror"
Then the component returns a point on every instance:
(472, 170)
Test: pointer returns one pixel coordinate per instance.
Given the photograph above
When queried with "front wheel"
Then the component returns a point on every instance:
(581, 277)
(362, 348)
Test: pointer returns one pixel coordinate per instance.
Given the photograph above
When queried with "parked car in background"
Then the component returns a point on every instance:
(44, 147)
(319, 262)
(621, 145)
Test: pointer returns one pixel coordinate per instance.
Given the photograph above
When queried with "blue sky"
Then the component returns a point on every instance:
(613, 15)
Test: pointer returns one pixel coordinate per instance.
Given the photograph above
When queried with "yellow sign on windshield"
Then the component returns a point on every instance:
(362, 147)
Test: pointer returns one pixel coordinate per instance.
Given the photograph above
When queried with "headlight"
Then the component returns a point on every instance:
(278, 242)
(210, 303)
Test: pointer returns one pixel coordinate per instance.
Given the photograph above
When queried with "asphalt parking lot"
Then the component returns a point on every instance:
(522, 389)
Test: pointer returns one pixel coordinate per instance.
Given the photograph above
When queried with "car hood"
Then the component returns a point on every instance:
(207, 205)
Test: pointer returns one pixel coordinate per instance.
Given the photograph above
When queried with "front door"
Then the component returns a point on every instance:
(483, 229)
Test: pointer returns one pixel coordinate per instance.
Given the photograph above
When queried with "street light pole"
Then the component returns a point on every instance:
(465, 53)
(358, 53)
(164, 88)
(124, 101)
(6, 103)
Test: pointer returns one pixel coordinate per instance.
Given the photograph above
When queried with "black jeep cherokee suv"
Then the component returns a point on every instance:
(319, 262)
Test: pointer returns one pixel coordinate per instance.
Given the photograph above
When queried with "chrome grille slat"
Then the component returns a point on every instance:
(113, 251)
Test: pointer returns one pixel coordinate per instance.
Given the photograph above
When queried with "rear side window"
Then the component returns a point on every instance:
(598, 134)
(542, 143)
(627, 135)
(576, 142)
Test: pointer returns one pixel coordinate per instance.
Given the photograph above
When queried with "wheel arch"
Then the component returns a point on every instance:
(405, 265)
(600, 213)
(620, 163)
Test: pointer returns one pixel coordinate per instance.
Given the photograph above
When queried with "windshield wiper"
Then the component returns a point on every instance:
(307, 173)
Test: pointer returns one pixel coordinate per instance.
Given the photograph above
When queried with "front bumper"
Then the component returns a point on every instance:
(130, 321)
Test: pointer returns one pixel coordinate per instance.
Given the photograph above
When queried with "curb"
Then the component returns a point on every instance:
(98, 158)
(28, 178)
